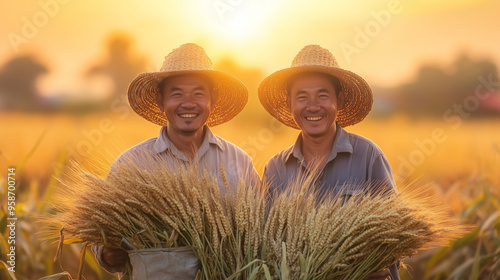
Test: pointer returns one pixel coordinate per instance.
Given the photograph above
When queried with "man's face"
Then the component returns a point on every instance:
(314, 104)
(187, 101)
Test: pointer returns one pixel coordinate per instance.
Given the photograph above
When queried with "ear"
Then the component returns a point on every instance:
(159, 100)
(340, 100)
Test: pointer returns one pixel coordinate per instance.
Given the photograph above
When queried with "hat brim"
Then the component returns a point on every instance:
(358, 94)
(232, 95)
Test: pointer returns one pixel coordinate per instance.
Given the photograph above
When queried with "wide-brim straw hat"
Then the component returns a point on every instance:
(313, 58)
(232, 94)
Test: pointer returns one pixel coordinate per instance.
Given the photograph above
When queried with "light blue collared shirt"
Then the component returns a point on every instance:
(214, 151)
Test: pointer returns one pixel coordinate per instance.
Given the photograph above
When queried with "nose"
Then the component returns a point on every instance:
(188, 102)
(313, 105)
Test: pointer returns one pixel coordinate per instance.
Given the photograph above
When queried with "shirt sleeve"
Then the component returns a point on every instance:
(393, 269)
(265, 175)
(97, 250)
(381, 172)
(270, 177)
(252, 172)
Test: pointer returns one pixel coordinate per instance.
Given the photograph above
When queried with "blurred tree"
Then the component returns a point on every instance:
(465, 73)
(18, 83)
(436, 89)
(121, 63)
(428, 93)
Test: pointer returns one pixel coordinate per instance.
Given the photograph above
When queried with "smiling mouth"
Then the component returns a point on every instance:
(186, 116)
(314, 119)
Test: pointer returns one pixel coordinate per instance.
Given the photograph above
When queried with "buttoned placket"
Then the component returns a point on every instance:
(340, 144)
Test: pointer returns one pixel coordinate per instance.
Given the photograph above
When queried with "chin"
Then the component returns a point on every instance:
(314, 129)
(190, 129)
(314, 134)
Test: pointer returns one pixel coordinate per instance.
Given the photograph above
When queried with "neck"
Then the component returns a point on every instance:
(187, 143)
(316, 149)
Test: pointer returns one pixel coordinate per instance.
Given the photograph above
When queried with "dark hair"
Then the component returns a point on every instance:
(334, 80)
(206, 78)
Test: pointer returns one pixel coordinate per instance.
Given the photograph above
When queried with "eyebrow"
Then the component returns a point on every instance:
(200, 88)
(174, 88)
(321, 90)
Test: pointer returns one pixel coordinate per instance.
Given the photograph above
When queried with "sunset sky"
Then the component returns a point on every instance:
(383, 41)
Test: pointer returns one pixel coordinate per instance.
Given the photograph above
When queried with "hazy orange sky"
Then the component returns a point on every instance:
(382, 40)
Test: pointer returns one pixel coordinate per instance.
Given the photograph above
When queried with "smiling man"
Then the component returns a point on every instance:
(319, 98)
(185, 97)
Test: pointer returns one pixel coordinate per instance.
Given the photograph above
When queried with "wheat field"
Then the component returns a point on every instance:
(408, 145)
(460, 161)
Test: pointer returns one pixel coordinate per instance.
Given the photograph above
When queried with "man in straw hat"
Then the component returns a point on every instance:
(185, 97)
(319, 98)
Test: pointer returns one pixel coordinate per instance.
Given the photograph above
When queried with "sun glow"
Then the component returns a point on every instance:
(237, 20)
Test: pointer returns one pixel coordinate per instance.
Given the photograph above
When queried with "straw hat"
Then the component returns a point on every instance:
(313, 58)
(232, 94)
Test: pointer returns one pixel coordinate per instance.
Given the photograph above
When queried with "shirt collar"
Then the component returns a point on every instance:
(163, 144)
(341, 144)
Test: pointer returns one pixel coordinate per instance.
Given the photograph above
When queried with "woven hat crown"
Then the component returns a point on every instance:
(187, 57)
(314, 55)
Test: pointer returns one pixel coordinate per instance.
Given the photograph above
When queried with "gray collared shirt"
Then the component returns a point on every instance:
(355, 164)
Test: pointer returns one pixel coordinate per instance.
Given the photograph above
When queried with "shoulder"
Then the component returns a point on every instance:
(278, 161)
(231, 149)
(282, 156)
(379, 165)
(277, 174)
(363, 144)
(236, 161)
(141, 150)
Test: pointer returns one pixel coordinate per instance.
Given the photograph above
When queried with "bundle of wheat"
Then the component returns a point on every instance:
(153, 208)
(245, 235)
(329, 237)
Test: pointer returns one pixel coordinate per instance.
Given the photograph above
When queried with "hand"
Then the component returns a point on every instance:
(114, 256)
(382, 275)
